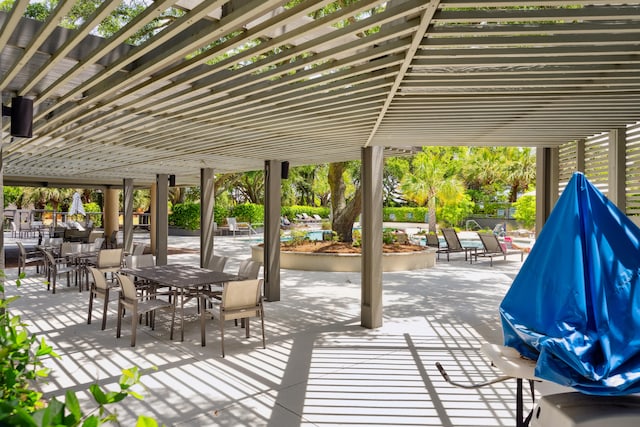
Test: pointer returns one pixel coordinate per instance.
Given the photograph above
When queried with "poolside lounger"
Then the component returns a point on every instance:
(493, 247)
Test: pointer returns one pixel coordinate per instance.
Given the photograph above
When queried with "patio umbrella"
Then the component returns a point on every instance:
(575, 304)
(76, 205)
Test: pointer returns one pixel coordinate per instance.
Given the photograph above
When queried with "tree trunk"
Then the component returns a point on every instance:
(431, 204)
(344, 212)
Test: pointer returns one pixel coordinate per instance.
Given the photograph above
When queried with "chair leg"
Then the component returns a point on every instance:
(90, 307)
(173, 319)
(120, 314)
(134, 326)
(264, 343)
(222, 334)
(104, 310)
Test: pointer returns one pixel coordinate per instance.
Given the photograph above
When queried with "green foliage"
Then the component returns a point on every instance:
(185, 215)
(220, 213)
(405, 214)
(297, 238)
(388, 236)
(21, 366)
(12, 195)
(97, 217)
(248, 212)
(20, 363)
(456, 213)
(526, 211)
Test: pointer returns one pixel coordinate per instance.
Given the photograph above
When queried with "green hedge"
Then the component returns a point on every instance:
(291, 211)
(405, 214)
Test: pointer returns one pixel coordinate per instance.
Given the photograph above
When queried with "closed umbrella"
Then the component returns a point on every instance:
(76, 206)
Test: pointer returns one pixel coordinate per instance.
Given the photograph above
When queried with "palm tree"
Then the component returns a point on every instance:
(430, 179)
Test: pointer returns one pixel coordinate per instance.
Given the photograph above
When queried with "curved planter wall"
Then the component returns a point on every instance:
(348, 262)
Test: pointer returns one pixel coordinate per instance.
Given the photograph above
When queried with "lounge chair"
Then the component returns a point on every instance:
(493, 247)
(454, 245)
(432, 240)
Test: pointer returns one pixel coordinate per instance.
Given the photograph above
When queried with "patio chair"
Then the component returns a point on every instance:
(433, 240)
(241, 300)
(109, 260)
(26, 258)
(493, 247)
(453, 244)
(240, 227)
(249, 269)
(57, 267)
(218, 263)
(141, 304)
(98, 243)
(101, 289)
(138, 249)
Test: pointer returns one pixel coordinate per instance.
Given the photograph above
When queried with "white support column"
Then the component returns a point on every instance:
(127, 226)
(272, 203)
(162, 218)
(372, 172)
(207, 220)
(617, 168)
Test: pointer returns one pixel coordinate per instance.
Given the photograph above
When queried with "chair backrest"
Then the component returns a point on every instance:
(451, 237)
(67, 248)
(238, 296)
(135, 261)
(233, 224)
(491, 243)
(49, 257)
(138, 249)
(128, 287)
(23, 251)
(432, 240)
(56, 241)
(98, 278)
(97, 243)
(218, 262)
(249, 269)
(109, 258)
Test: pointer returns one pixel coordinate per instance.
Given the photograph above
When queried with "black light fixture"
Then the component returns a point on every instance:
(21, 113)
(172, 180)
(285, 170)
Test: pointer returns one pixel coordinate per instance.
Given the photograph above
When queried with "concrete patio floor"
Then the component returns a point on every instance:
(320, 367)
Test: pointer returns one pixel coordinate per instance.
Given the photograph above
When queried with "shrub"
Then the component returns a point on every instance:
(21, 367)
(248, 212)
(185, 215)
(526, 211)
(96, 217)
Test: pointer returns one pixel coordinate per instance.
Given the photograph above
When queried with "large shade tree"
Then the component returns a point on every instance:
(346, 201)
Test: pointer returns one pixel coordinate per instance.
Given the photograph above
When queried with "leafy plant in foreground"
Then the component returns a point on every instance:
(21, 366)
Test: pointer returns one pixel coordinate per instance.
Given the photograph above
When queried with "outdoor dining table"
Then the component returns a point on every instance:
(184, 277)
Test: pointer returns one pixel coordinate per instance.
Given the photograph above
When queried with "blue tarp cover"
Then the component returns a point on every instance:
(575, 304)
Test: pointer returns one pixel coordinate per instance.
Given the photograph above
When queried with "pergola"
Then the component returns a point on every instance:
(244, 85)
